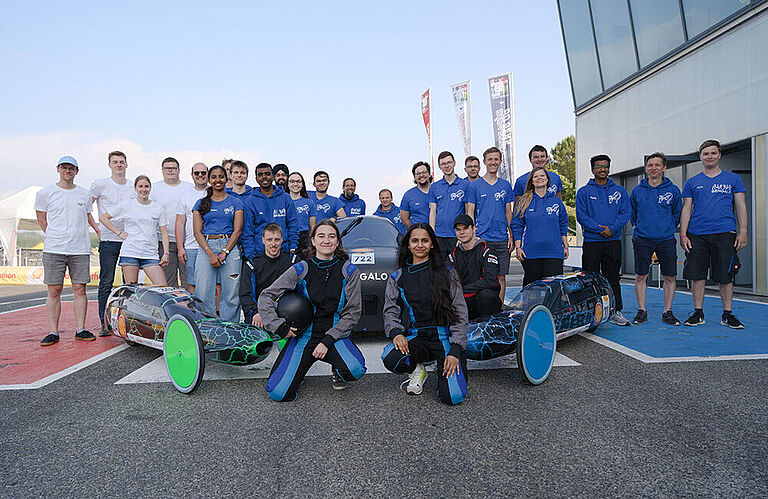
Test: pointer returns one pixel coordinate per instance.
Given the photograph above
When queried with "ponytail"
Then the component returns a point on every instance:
(205, 203)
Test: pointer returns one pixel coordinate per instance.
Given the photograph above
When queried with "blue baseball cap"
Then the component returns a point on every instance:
(68, 160)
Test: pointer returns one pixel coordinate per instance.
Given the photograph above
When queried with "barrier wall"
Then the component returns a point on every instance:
(34, 275)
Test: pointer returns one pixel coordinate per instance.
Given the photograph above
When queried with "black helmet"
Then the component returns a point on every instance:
(296, 309)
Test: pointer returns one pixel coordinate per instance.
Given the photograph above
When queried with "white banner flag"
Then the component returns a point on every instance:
(462, 105)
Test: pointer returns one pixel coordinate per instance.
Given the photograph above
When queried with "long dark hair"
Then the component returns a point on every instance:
(442, 306)
(205, 203)
(339, 252)
(303, 192)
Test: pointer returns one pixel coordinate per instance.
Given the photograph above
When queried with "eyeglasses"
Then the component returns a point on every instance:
(169, 168)
(198, 174)
(447, 163)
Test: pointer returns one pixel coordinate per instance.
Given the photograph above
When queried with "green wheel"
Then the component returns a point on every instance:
(184, 354)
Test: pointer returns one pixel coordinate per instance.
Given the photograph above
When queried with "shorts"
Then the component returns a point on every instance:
(666, 253)
(501, 250)
(138, 262)
(55, 266)
(713, 252)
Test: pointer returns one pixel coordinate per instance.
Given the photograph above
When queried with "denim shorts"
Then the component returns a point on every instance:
(55, 266)
(138, 262)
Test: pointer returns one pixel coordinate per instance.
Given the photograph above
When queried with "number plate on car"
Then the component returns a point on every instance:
(362, 258)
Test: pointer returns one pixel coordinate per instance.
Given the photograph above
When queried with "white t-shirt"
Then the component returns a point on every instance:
(184, 207)
(67, 216)
(141, 222)
(107, 193)
(168, 196)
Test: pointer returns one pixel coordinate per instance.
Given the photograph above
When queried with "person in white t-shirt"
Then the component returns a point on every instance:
(167, 193)
(185, 235)
(108, 193)
(64, 212)
(141, 218)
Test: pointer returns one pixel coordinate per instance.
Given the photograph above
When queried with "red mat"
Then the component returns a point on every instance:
(23, 361)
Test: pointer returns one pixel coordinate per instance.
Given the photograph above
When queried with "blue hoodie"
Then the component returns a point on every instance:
(655, 211)
(354, 206)
(392, 214)
(541, 227)
(248, 191)
(606, 205)
(261, 210)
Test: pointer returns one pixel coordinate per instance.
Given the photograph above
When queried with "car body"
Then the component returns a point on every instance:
(372, 244)
(577, 302)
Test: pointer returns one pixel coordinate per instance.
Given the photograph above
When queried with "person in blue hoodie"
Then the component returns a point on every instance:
(268, 204)
(540, 229)
(353, 205)
(239, 174)
(388, 209)
(602, 210)
(655, 206)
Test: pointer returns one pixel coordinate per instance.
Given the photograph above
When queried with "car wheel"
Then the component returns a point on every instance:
(184, 354)
(536, 345)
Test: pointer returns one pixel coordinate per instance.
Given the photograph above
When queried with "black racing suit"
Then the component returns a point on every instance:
(258, 274)
(478, 269)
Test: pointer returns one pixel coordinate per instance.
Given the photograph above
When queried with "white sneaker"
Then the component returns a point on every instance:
(415, 380)
(619, 319)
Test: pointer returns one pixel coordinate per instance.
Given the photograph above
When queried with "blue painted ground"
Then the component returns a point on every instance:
(656, 339)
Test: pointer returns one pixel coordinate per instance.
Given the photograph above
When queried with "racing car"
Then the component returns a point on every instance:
(177, 322)
(541, 314)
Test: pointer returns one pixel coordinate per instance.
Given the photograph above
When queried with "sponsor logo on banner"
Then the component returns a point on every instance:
(461, 104)
(426, 116)
(502, 109)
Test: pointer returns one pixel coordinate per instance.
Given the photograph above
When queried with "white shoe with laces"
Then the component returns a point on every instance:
(415, 381)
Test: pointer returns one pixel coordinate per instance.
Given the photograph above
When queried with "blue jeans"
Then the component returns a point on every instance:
(191, 260)
(108, 253)
(229, 274)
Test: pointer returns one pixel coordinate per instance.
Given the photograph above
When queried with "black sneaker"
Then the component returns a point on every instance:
(695, 319)
(84, 335)
(669, 318)
(731, 321)
(640, 317)
(339, 383)
(104, 332)
(49, 340)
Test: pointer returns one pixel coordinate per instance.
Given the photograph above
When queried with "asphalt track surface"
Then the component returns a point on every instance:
(612, 426)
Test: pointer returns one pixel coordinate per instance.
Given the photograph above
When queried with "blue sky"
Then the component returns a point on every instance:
(316, 85)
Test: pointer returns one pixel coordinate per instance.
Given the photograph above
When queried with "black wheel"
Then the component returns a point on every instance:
(536, 345)
(184, 354)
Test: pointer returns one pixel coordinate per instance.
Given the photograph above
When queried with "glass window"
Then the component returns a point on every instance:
(580, 46)
(703, 14)
(614, 40)
(658, 28)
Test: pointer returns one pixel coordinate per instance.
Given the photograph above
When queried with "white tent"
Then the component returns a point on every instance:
(17, 212)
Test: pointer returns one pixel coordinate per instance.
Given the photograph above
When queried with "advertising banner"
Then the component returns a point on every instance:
(502, 111)
(426, 114)
(462, 106)
(34, 275)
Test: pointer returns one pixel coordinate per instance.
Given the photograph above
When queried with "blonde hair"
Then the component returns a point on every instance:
(525, 199)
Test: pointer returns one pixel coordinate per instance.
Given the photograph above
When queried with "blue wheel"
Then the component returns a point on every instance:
(536, 345)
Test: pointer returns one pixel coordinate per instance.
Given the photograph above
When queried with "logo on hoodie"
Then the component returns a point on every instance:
(614, 198)
(665, 198)
(500, 195)
(552, 189)
(721, 188)
(354, 211)
(457, 196)
(553, 210)
(278, 213)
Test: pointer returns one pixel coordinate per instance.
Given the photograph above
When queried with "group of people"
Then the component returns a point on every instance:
(253, 244)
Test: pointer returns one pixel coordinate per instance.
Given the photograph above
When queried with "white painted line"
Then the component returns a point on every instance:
(647, 359)
(34, 306)
(66, 372)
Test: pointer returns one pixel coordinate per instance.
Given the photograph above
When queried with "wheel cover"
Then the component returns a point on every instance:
(182, 354)
(538, 345)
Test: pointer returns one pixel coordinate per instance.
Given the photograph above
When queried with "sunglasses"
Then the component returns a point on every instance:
(198, 174)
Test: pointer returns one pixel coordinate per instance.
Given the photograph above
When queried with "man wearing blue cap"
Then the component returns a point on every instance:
(64, 212)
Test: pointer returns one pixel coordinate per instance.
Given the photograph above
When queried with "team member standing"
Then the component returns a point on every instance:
(414, 207)
(353, 205)
(280, 172)
(447, 200)
(265, 205)
(186, 244)
(218, 224)
(489, 202)
(305, 209)
(602, 210)
(432, 295)
(142, 219)
(260, 272)
(326, 206)
(472, 167)
(227, 165)
(332, 284)
(477, 267)
(389, 210)
(538, 157)
(108, 193)
(167, 193)
(63, 211)
(239, 175)
(540, 229)
(708, 232)
(655, 206)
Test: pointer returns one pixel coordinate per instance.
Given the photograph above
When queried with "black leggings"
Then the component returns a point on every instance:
(539, 268)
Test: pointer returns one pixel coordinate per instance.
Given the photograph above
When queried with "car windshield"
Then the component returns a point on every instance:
(369, 232)
(530, 296)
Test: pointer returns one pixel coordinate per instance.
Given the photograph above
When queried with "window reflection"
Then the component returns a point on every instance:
(702, 14)
(614, 40)
(658, 28)
(580, 45)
